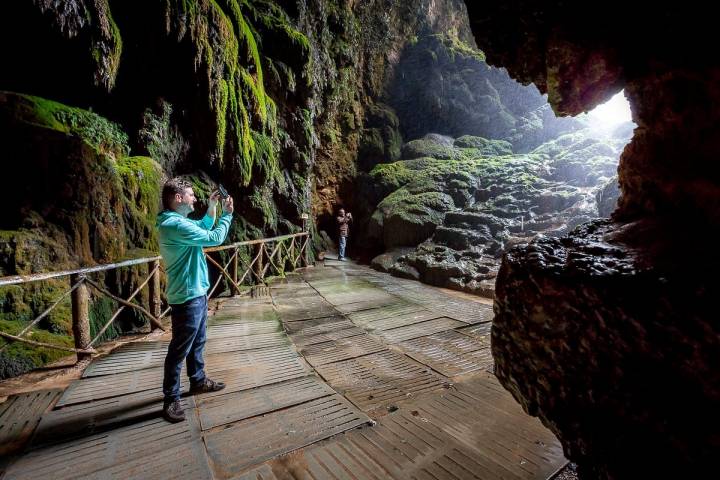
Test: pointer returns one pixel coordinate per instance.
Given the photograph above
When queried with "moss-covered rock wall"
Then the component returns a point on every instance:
(104, 99)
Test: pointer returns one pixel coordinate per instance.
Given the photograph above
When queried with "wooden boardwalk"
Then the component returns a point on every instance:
(342, 373)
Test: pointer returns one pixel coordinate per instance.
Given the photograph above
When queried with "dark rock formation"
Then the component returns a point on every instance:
(608, 335)
(610, 344)
(443, 85)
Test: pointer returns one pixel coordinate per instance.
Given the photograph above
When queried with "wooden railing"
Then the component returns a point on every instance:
(270, 256)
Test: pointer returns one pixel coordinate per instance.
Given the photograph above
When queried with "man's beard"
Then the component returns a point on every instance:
(184, 209)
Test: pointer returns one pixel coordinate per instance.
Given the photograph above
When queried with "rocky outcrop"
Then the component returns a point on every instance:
(465, 201)
(607, 335)
(609, 343)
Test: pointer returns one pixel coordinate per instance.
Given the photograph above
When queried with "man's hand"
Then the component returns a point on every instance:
(227, 205)
(213, 200)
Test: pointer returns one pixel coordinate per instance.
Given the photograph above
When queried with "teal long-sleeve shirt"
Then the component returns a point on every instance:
(181, 244)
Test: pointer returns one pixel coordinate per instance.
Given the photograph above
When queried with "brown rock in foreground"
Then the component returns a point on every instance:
(614, 348)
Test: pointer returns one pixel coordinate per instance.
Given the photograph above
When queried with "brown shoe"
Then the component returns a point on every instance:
(206, 386)
(173, 412)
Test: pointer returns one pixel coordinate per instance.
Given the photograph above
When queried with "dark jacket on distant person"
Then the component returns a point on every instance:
(344, 222)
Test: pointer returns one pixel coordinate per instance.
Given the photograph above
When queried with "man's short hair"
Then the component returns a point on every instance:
(172, 187)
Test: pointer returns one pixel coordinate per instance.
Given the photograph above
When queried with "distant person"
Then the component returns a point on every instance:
(181, 246)
(344, 221)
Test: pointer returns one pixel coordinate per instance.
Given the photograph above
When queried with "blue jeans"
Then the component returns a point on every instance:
(343, 244)
(189, 322)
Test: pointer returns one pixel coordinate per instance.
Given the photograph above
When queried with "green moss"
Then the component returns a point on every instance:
(19, 358)
(428, 205)
(261, 199)
(225, 42)
(107, 49)
(142, 185)
(162, 140)
(425, 147)
(100, 311)
(484, 146)
(458, 47)
(103, 135)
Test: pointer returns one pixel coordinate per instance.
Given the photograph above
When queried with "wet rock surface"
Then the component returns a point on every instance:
(615, 342)
(613, 348)
(466, 200)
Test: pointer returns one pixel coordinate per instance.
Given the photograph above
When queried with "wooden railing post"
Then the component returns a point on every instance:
(154, 288)
(259, 263)
(234, 271)
(80, 315)
(291, 252)
(306, 253)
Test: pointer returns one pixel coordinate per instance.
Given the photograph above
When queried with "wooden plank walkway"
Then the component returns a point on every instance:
(342, 373)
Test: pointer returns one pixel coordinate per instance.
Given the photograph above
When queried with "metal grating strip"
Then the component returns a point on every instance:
(305, 340)
(399, 447)
(253, 441)
(318, 325)
(96, 388)
(369, 316)
(405, 320)
(304, 313)
(484, 417)
(342, 349)
(380, 380)
(100, 451)
(232, 407)
(19, 415)
(418, 329)
(241, 328)
(465, 311)
(244, 315)
(480, 331)
(251, 342)
(183, 462)
(455, 437)
(129, 357)
(239, 370)
(367, 295)
(450, 353)
(93, 417)
(366, 305)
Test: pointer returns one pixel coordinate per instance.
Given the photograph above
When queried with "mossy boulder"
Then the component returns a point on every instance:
(432, 145)
(485, 147)
(464, 208)
(410, 218)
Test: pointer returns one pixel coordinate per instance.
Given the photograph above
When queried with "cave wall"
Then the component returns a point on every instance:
(608, 334)
(269, 98)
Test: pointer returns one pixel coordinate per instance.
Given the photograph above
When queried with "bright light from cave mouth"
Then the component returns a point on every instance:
(611, 113)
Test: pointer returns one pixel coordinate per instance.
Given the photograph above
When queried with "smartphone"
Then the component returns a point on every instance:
(223, 193)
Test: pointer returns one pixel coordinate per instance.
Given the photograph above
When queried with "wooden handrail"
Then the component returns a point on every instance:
(35, 277)
(80, 299)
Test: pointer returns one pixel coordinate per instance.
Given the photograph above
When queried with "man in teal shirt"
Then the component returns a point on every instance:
(181, 246)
